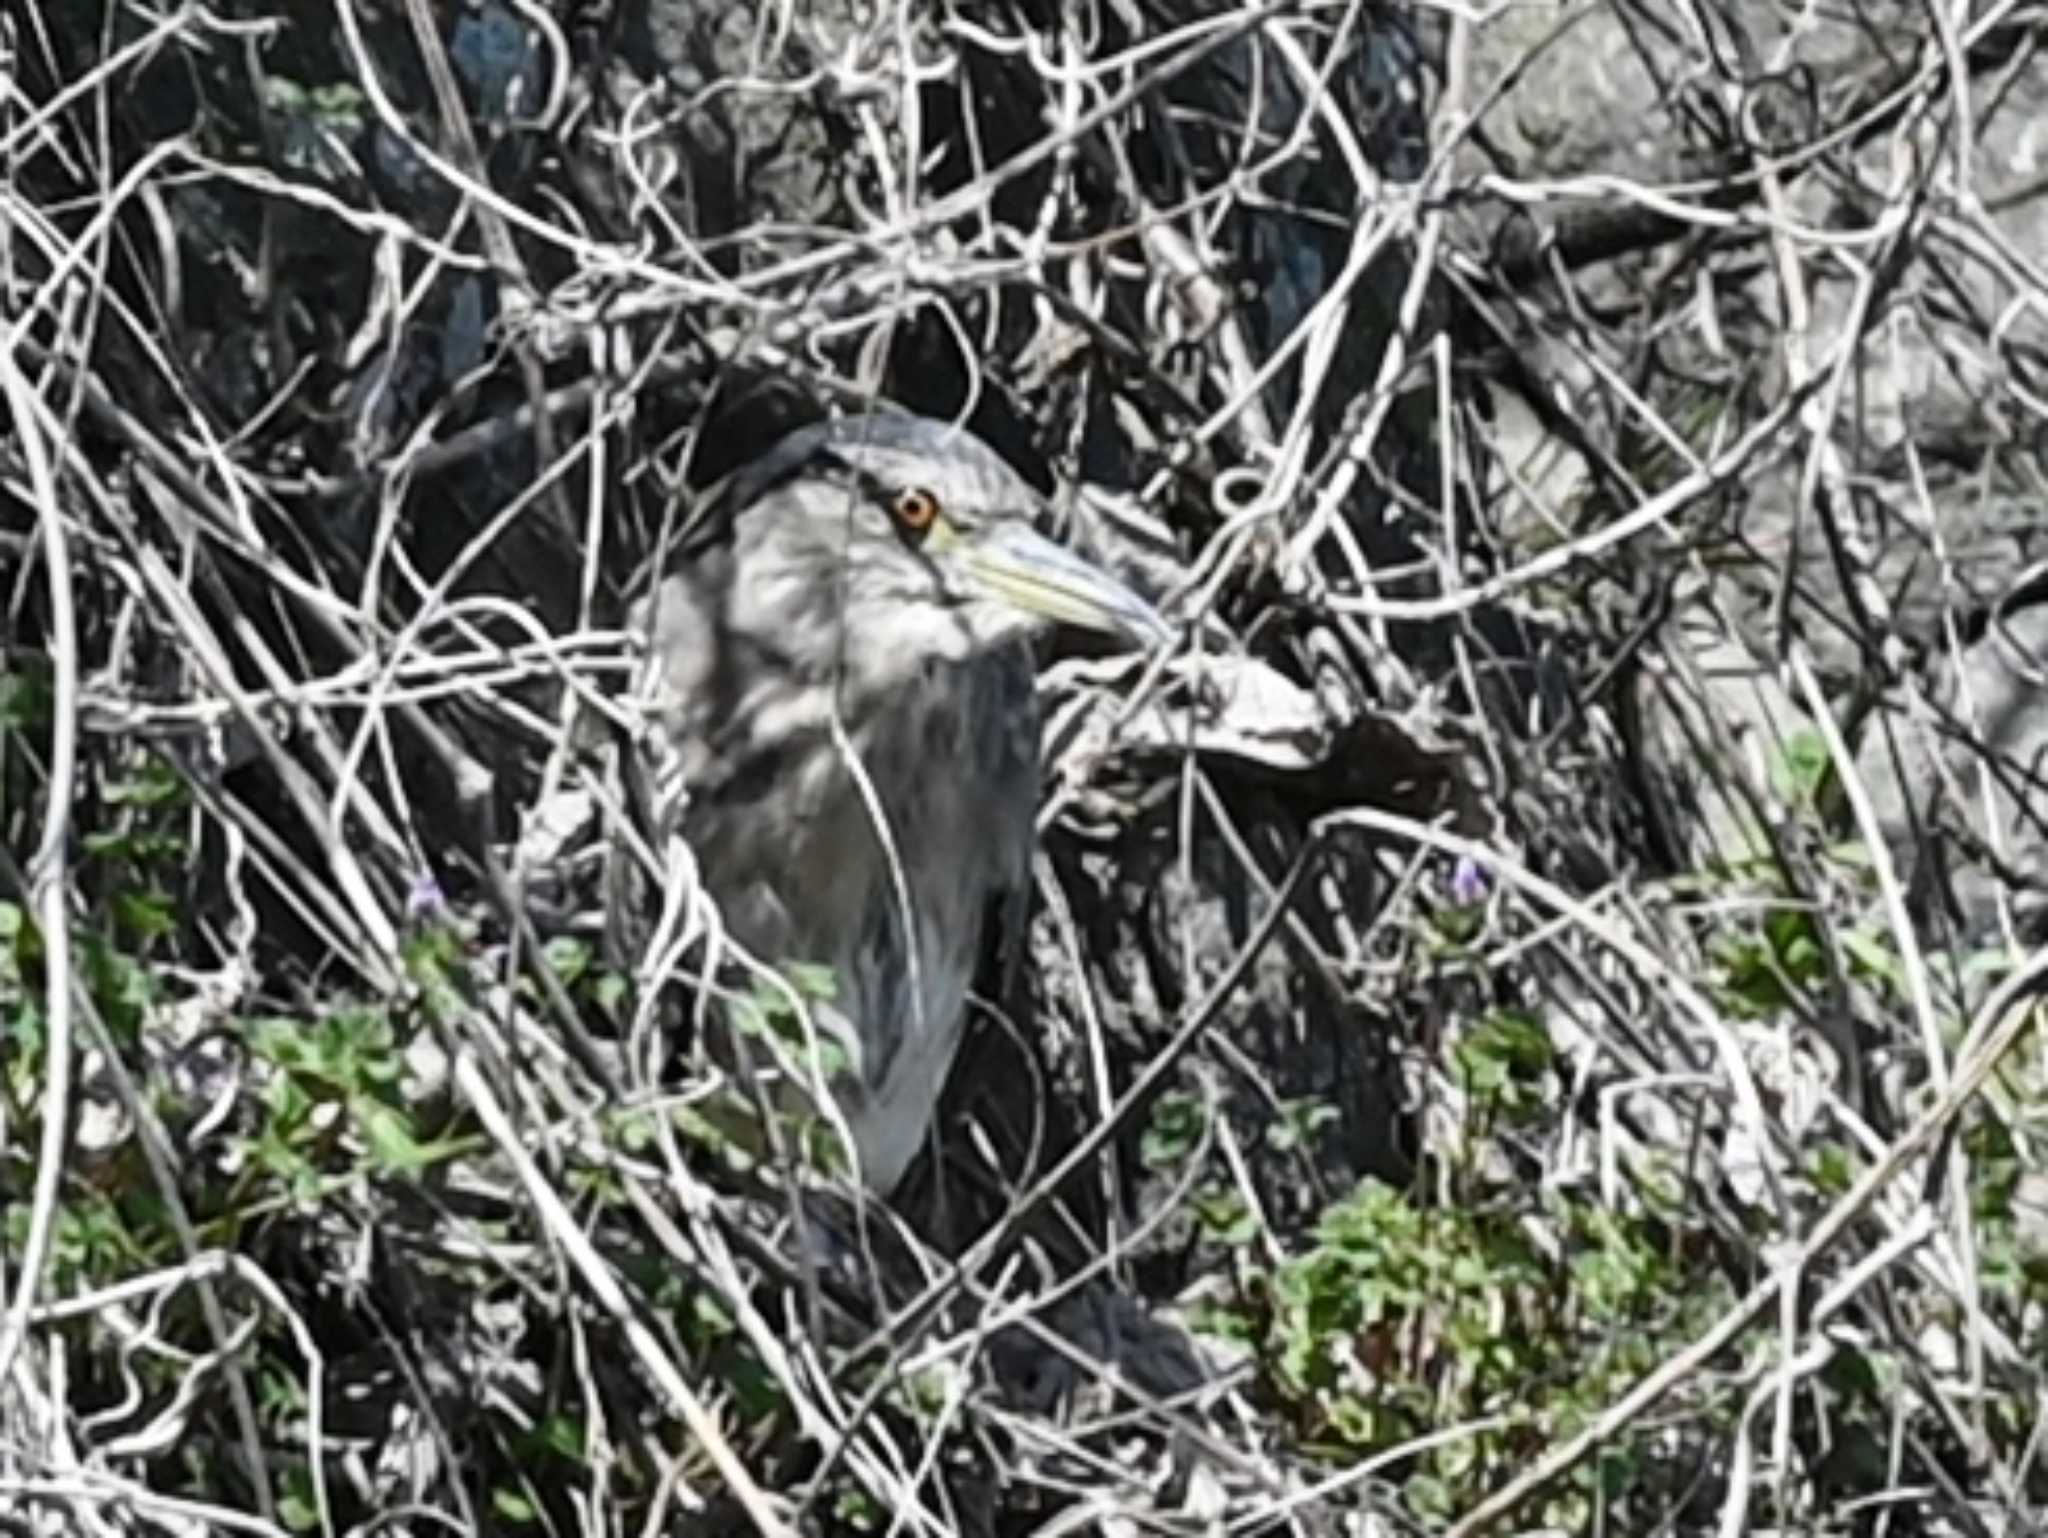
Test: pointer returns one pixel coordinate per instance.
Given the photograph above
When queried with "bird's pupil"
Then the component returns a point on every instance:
(917, 508)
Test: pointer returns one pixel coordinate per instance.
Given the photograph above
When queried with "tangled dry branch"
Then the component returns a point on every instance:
(1527, 1012)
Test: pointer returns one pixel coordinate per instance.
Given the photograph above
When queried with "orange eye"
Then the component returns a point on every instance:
(916, 510)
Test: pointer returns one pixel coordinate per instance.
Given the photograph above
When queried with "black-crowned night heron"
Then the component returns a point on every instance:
(842, 668)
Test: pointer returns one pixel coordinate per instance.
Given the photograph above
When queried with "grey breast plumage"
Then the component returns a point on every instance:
(843, 672)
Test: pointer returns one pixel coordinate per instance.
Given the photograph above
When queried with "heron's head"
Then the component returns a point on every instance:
(923, 533)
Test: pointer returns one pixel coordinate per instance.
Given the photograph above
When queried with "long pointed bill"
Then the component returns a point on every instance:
(1023, 567)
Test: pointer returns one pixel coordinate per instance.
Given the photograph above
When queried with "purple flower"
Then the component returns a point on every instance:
(1468, 881)
(424, 900)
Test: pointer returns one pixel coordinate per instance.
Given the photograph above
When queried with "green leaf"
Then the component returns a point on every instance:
(514, 1506)
(1518, 1042)
(711, 1318)
(120, 987)
(567, 957)
(296, 1506)
(1225, 1323)
(24, 1028)
(340, 103)
(1300, 1121)
(27, 694)
(747, 1016)
(389, 1136)
(14, 937)
(1225, 1216)
(857, 1509)
(1174, 1132)
(1832, 1168)
(395, 1144)
(562, 1435)
(152, 782)
(1429, 1498)
(1353, 1419)
(812, 981)
(1872, 956)
(145, 915)
(632, 1131)
(1802, 765)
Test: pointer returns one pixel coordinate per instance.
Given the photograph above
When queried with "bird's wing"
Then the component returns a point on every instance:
(1008, 931)
(1010, 736)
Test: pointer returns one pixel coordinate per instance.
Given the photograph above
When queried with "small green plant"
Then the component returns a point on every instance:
(1801, 767)
(97, 1239)
(1299, 1124)
(728, 1123)
(768, 1010)
(1504, 1059)
(1177, 1126)
(347, 1061)
(27, 693)
(1224, 1215)
(317, 124)
(1399, 1319)
(1767, 968)
(857, 1510)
